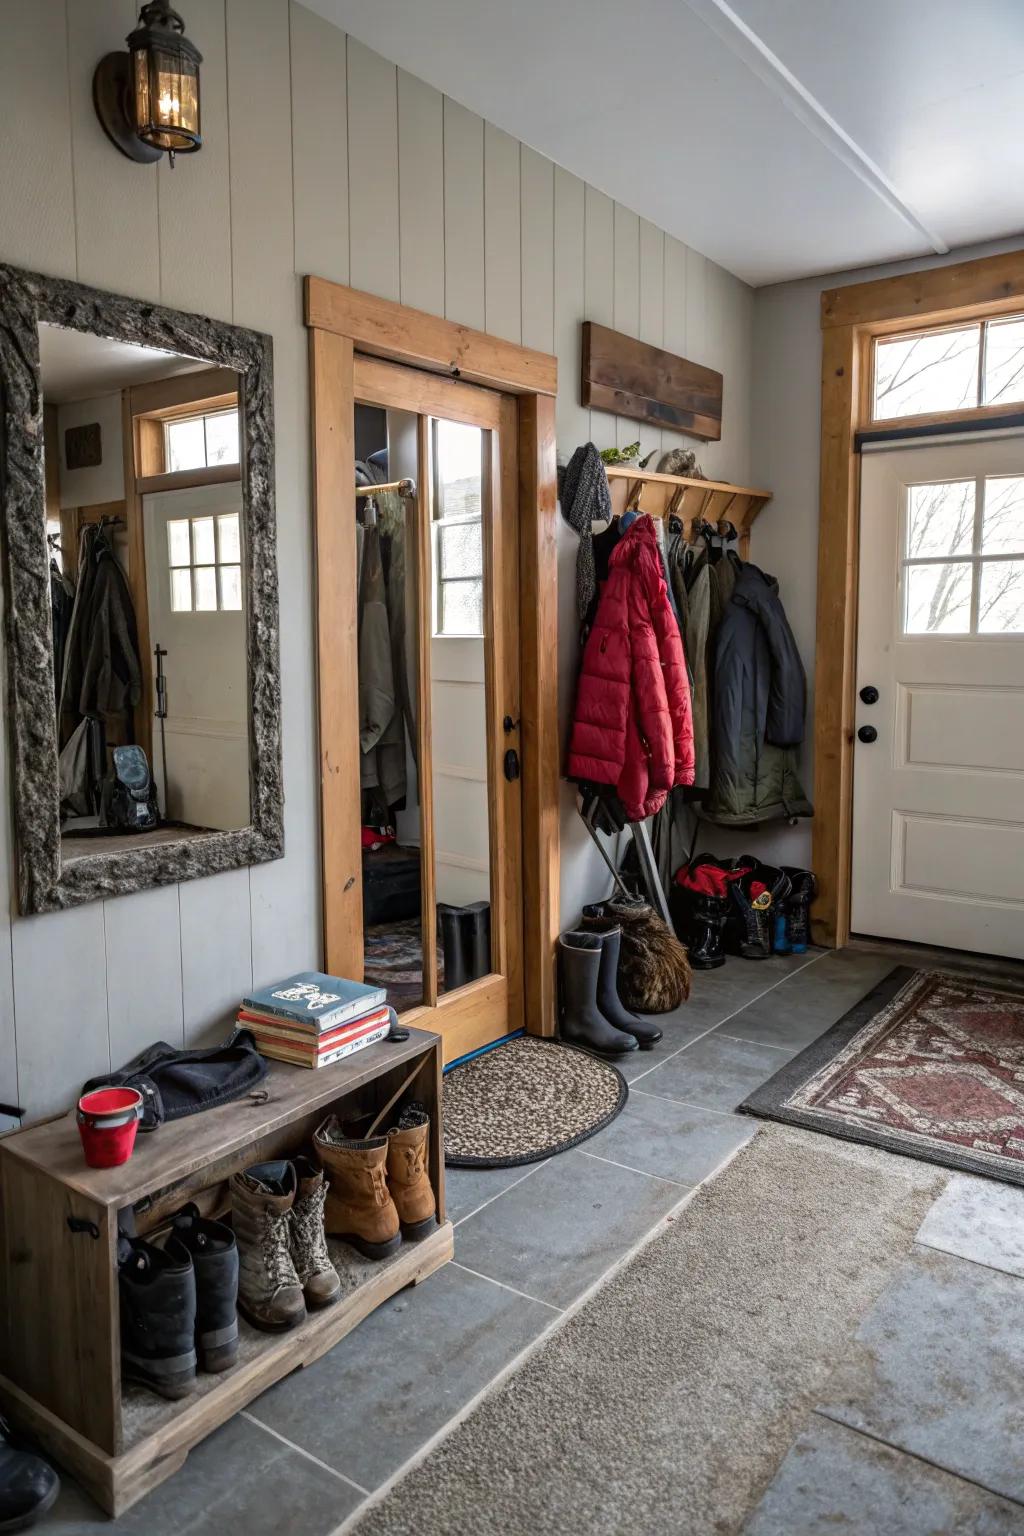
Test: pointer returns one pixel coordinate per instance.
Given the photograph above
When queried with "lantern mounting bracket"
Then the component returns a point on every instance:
(111, 85)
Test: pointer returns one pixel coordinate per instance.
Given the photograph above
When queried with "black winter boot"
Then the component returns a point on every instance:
(28, 1485)
(158, 1315)
(803, 889)
(583, 1023)
(698, 916)
(476, 919)
(608, 1001)
(754, 900)
(453, 942)
(215, 1261)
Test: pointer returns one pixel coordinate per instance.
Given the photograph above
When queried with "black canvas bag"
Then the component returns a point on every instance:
(175, 1083)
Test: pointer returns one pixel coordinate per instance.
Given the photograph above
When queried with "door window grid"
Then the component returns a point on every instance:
(962, 560)
(948, 369)
(205, 555)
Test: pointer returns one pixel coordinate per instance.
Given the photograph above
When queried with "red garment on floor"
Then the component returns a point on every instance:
(710, 879)
(632, 725)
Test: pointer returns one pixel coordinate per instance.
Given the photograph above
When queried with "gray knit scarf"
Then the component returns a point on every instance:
(585, 498)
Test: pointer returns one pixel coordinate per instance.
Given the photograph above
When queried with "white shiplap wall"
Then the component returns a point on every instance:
(321, 157)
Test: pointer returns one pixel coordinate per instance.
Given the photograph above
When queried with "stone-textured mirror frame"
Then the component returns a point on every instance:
(45, 882)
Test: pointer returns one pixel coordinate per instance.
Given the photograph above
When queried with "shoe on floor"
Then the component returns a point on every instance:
(28, 1485)
(408, 1179)
(582, 1022)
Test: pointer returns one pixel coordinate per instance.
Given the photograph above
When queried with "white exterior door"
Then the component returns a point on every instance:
(938, 827)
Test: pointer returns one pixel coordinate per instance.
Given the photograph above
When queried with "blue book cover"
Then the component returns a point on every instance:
(316, 1001)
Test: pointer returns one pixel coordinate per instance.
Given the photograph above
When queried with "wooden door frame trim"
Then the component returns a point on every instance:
(851, 318)
(343, 322)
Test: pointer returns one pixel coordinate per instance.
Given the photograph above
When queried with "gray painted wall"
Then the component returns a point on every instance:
(320, 157)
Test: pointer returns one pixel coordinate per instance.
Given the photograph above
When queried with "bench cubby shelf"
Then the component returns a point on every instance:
(61, 1376)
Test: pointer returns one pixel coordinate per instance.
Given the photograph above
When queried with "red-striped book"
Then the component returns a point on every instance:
(279, 1045)
(266, 1028)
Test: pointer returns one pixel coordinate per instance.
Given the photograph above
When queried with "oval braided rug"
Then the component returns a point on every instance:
(525, 1100)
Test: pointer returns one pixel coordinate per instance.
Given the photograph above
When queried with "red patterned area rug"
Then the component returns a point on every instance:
(930, 1064)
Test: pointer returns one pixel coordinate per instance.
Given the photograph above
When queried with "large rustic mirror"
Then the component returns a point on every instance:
(141, 593)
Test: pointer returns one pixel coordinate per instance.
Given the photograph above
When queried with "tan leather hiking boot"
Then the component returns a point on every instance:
(317, 1275)
(408, 1180)
(269, 1293)
(358, 1207)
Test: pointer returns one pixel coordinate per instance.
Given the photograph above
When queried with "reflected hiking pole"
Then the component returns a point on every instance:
(161, 713)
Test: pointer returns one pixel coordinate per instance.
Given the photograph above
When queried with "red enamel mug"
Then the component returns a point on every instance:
(108, 1119)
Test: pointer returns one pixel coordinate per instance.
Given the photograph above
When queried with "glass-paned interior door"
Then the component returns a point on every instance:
(438, 663)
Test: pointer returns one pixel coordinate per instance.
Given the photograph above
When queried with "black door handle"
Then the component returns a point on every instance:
(867, 733)
(869, 694)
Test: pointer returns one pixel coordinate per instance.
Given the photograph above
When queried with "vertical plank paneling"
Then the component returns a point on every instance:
(572, 420)
(60, 1001)
(502, 270)
(142, 945)
(696, 333)
(463, 215)
(37, 226)
(674, 320)
(714, 457)
(373, 172)
(319, 145)
(627, 306)
(115, 199)
(421, 193)
(538, 250)
(216, 954)
(599, 288)
(284, 895)
(652, 294)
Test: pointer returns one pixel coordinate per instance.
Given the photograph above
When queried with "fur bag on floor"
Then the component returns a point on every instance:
(654, 972)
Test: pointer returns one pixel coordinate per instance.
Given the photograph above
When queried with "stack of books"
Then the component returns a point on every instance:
(312, 1020)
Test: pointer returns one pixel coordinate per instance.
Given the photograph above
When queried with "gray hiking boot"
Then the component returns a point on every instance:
(269, 1291)
(317, 1275)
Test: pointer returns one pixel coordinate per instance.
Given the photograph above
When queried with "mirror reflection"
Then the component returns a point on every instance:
(459, 488)
(142, 459)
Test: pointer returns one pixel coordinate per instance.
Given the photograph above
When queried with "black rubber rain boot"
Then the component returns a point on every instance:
(803, 889)
(477, 930)
(583, 1023)
(158, 1315)
(215, 1260)
(705, 929)
(608, 1000)
(28, 1485)
(453, 944)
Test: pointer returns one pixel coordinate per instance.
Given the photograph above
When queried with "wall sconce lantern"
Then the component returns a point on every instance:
(148, 98)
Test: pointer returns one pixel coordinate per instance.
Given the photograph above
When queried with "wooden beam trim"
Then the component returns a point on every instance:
(988, 285)
(393, 331)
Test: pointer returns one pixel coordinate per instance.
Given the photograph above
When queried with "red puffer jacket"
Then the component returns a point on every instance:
(632, 725)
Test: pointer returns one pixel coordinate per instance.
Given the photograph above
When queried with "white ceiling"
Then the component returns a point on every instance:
(75, 365)
(779, 137)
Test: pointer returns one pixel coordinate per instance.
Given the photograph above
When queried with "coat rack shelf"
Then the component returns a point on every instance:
(711, 501)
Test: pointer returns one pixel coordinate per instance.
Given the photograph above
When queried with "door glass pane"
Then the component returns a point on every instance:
(229, 538)
(937, 599)
(1002, 529)
(1004, 361)
(937, 371)
(206, 588)
(940, 519)
(460, 487)
(384, 545)
(178, 547)
(1001, 599)
(181, 589)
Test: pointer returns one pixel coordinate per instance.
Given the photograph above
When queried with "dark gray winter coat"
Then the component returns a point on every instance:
(759, 699)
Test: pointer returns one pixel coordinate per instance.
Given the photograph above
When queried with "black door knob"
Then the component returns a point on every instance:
(867, 733)
(869, 694)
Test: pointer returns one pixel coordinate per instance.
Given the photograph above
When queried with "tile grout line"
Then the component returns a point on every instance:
(939, 1466)
(742, 1040)
(505, 1286)
(948, 1253)
(491, 1198)
(725, 1114)
(628, 1168)
(513, 1365)
(301, 1451)
(719, 1022)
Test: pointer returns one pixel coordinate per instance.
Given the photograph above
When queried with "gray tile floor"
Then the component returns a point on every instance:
(531, 1242)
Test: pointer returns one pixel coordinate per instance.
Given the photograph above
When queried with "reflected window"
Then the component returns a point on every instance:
(202, 441)
(457, 458)
(205, 558)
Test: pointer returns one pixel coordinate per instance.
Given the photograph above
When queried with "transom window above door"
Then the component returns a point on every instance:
(963, 557)
(950, 369)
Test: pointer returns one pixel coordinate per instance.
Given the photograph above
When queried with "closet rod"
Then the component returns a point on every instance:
(400, 487)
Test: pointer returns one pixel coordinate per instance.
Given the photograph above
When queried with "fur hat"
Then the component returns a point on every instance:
(654, 972)
(681, 461)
